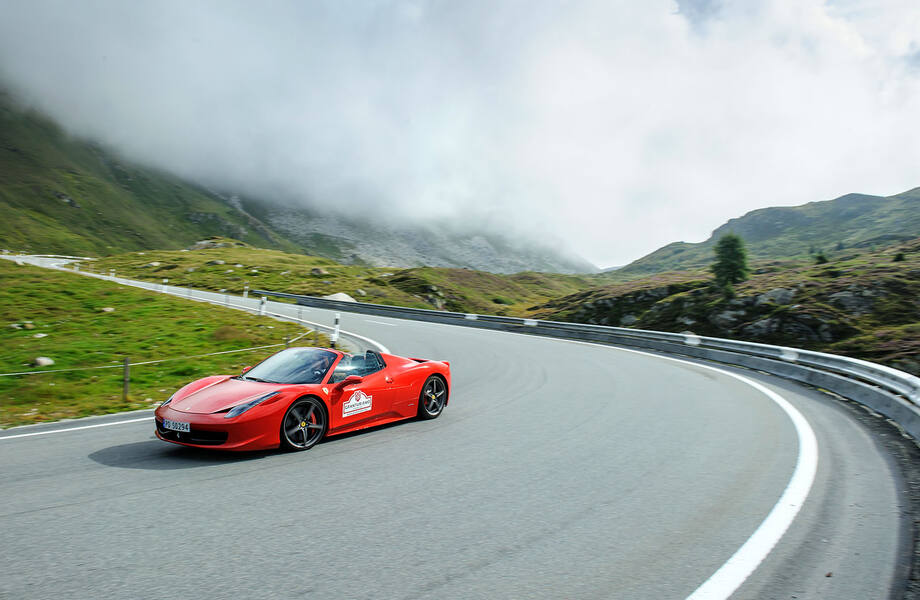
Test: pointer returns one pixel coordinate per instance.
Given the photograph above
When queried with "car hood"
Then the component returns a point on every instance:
(222, 395)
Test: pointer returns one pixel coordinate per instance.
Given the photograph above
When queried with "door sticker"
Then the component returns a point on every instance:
(358, 403)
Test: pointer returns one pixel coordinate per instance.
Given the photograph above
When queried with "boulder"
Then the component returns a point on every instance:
(216, 261)
(685, 320)
(28, 325)
(761, 327)
(627, 320)
(318, 271)
(40, 335)
(797, 330)
(42, 361)
(107, 309)
(726, 319)
(857, 304)
(205, 244)
(360, 292)
(775, 296)
(340, 296)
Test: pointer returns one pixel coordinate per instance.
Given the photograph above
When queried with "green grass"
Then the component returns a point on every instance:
(462, 290)
(67, 309)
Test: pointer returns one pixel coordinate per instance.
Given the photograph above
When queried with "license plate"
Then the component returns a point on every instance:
(176, 425)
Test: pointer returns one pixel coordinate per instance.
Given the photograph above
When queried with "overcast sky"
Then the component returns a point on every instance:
(617, 126)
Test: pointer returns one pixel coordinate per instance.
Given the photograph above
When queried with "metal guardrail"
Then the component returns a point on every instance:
(891, 392)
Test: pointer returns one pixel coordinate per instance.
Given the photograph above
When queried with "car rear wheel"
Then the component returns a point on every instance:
(303, 424)
(433, 398)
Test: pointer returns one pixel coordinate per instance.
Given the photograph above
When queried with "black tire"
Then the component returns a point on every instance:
(433, 397)
(303, 425)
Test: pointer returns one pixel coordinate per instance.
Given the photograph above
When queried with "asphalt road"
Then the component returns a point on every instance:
(559, 470)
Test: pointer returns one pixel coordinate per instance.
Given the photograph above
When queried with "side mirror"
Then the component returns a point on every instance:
(351, 380)
(245, 369)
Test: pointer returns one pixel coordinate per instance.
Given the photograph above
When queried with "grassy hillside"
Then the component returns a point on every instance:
(62, 195)
(834, 227)
(60, 316)
(863, 303)
(232, 268)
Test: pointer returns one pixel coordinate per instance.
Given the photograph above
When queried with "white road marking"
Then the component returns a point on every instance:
(746, 559)
(22, 435)
(380, 322)
(731, 575)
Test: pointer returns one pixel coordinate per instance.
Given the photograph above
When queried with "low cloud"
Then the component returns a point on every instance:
(616, 126)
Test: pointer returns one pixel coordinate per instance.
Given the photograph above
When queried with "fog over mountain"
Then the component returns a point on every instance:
(615, 126)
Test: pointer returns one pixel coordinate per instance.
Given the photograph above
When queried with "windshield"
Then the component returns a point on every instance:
(294, 365)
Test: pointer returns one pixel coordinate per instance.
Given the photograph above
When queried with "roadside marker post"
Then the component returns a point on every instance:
(246, 291)
(335, 331)
(262, 306)
(126, 380)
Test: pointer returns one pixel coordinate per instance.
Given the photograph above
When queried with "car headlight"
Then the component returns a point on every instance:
(168, 400)
(241, 408)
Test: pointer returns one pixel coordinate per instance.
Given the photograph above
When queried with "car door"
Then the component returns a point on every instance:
(359, 404)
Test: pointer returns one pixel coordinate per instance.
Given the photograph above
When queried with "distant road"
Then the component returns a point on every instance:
(559, 470)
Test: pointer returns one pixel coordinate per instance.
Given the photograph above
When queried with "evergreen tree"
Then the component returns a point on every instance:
(731, 261)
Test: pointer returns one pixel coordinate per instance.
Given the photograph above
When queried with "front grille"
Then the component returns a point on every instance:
(201, 437)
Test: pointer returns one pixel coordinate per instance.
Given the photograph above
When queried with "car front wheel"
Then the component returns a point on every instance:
(303, 424)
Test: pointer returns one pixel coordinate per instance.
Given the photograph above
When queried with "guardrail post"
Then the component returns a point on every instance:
(126, 380)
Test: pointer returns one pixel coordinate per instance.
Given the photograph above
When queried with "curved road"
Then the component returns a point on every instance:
(559, 470)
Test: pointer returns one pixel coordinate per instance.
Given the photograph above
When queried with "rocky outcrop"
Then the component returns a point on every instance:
(858, 302)
(215, 243)
(775, 296)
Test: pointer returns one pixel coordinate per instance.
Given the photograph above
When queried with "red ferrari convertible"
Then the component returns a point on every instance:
(296, 397)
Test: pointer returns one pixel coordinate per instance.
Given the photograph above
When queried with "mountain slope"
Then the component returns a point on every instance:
(854, 220)
(63, 195)
(412, 245)
(58, 194)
